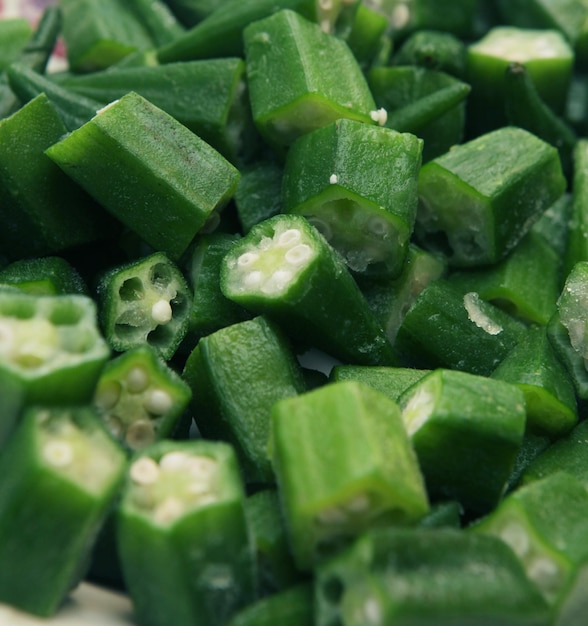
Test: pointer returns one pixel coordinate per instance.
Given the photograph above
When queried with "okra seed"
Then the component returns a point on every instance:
(277, 281)
(372, 612)
(378, 226)
(140, 434)
(174, 461)
(265, 243)
(289, 237)
(471, 302)
(380, 116)
(544, 572)
(161, 312)
(247, 258)
(201, 467)
(298, 254)
(333, 179)
(137, 380)
(107, 395)
(326, 5)
(58, 453)
(331, 516)
(169, 510)
(400, 16)
(253, 279)
(158, 402)
(517, 538)
(144, 471)
(6, 337)
(114, 425)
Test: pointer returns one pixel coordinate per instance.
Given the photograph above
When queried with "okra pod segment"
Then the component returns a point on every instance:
(60, 474)
(285, 269)
(343, 464)
(185, 549)
(357, 184)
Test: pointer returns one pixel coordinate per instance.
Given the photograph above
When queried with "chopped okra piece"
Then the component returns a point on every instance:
(185, 549)
(42, 211)
(555, 226)
(447, 328)
(60, 474)
(478, 200)
(466, 431)
(147, 300)
(550, 398)
(156, 17)
(285, 269)
(444, 514)
(357, 184)
(51, 350)
(532, 446)
(163, 183)
(525, 284)
(14, 34)
(236, 375)
(368, 32)
(545, 524)
(275, 565)
(140, 398)
(577, 243)
(50, 275)
(343, 463)
(545, 54)
(301, 78)
(426, 576)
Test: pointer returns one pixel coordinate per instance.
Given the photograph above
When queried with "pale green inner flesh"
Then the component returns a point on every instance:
(521, 46)
(88, 459)
(178, 484)
(272, 265)
(133, 406)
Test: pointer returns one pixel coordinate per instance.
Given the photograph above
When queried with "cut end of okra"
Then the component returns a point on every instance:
(572, 308)
(271, 266)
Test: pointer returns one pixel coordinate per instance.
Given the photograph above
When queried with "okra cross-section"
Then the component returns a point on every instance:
(147, 169)
(140, 398)
(343, 464)
(284, 268)
(185, 551)
(60, 474)
(357, 183)
(147, 300)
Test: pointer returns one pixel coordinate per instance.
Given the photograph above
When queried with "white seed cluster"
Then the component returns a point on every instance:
(178, 483)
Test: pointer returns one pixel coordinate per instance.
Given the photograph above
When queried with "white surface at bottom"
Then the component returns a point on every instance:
(87, 606)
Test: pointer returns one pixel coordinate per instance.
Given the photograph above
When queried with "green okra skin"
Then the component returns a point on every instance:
(424, 576)
(567, 454)
(291, 607)
(577, 247)
(525, 284)
(293, 90)
(525, 108)
(357, 184)
(98, 33)
(220, 34)
(434, 50)
(367, 33)
(236, 375)
(550, 545)
(158, 20)
(140, 398)
(466, 431)
(391, 381)
(190, 12)
(275, 565)
(75, 110)
(477, 201)
(554, 226)
(207, 96)
(39, 48)
(426, 102)
(14, 33)
(550, 398)
(285, 269)
(390, 299)
(343, 464)
(546, 55)
(51, 350)
(532, 447)
(49, 275)
(146, 300)
(42, 211)
(163, 183)
(60, 474)
(210, 310)
(443, 515)
(450, 329)
(186, 554)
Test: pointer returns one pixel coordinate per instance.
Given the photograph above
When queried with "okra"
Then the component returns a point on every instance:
(236, 374)
(164, 183)
(285, 269)
(577, 246)
(158, 20)
(343, 464)
(60, 475)
(550, 545)
(466, 431)
(50, 276)
(357, 184)
(146, 300)
(186, 554)
(292, 89)
(477, 201)
(367, 35)
(14, 34)
(425, 576)
(555, 227)
(190, 12)
(140, 398)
